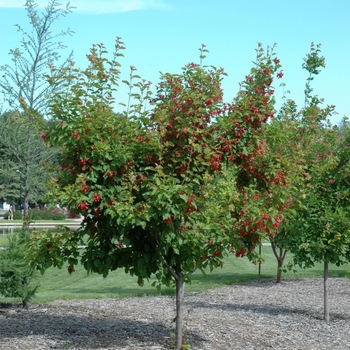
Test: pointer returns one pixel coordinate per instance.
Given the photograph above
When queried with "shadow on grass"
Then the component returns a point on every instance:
(199, 283)
(225, 278)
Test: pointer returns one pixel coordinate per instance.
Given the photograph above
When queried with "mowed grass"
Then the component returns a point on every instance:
(57, 284)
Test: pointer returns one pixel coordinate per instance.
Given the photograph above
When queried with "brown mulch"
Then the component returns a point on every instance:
(250, 315)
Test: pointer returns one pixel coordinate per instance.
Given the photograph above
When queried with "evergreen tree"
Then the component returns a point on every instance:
(25, 89)
(15, 273)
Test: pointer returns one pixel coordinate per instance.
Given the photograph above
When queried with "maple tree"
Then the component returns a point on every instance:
(142, 178)
(315, 227)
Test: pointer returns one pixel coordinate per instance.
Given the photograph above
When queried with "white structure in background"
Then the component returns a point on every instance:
(5, 206)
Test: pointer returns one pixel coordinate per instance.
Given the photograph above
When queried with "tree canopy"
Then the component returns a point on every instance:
(141, 179)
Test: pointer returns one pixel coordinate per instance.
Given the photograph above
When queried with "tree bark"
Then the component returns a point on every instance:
(26, 194)
(325, 291)
(180, 290)
(279, 272)
(280, 256)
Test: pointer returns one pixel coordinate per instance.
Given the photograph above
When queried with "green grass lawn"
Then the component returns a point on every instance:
(58, 284)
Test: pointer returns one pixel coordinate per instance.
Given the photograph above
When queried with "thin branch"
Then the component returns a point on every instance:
(171, 270)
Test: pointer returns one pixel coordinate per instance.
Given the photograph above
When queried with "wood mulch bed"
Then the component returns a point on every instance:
(250, 315)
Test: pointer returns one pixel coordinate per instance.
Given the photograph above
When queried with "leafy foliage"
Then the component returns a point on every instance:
(315, 228)
(142, 178)
(16, 274)
(37, 214)
(141, 182)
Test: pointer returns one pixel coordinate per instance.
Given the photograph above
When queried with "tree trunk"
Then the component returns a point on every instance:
(280, 255)
(325, 291)
(27, 173)
(279, 272)
(259, 270)
(26, 198)
(180, 290)
(24, 296)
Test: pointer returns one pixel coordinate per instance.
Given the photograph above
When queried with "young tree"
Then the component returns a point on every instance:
(323, 233)
(25, 89)
(141, 178)
(16, 275)
(295, 135)
(317, 226)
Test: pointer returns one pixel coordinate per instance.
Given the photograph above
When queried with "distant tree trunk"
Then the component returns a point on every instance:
(26, 193)
(325, 291)
(180, 290)
(279, 271)
(280, 255)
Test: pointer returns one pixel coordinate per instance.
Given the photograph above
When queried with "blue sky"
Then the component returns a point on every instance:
(164, 35)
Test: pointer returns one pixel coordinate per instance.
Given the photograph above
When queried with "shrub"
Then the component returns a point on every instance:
(71, 215)
(17, 215)
(15, 272)
(36, 214)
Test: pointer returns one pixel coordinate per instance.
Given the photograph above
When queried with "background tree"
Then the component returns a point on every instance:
(25, 89)
(323, 229)
(10, 189)
(316, 228)
(13, 154)
(295, 135)
(142, 179)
